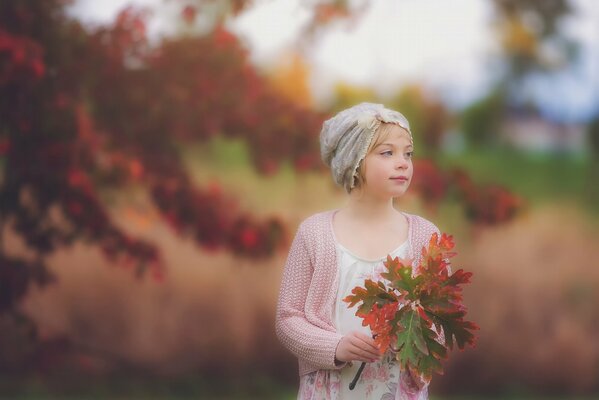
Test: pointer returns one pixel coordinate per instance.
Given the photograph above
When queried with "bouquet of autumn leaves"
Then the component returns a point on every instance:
(406, 312)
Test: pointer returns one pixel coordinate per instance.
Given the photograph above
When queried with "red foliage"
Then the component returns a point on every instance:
(250, 238)
(486, 204)
(85, 111)
(379, 319)
(429, 181)
(20, 59)
(403, 309)
(483, 204)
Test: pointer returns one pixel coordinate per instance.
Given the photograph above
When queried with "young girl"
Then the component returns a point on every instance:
(369, 150)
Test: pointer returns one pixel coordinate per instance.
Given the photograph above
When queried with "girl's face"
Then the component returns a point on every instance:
(388, 166)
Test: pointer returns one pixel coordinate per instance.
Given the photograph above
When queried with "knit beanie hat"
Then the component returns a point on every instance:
(345, 138)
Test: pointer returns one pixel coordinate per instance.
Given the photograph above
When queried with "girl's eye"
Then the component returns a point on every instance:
(410, 154)
(388, 152)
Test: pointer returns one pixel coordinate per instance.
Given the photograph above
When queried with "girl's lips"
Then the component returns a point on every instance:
(399, 178)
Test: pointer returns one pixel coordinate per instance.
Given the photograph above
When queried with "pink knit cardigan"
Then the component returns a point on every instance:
(309, 288)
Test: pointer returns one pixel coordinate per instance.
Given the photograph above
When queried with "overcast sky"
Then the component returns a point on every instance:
(445, 45)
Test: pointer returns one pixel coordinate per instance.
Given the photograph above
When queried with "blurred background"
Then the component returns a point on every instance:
(156, 157)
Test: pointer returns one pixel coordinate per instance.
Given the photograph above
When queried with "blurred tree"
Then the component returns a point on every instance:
(428, 118)
(83, 113)
(346, 95)
(530, 35)
(532, 39)
(532, 44)
(410, 101)
(290, 78)
(481, 121)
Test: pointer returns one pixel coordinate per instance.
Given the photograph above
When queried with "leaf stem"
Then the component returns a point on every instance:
(354, 381)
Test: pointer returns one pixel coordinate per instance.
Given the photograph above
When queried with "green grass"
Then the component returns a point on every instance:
(537, 177)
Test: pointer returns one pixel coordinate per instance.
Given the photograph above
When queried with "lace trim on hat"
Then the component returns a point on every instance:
(371, 130)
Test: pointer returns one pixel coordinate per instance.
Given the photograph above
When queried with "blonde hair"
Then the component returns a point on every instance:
(380, 135)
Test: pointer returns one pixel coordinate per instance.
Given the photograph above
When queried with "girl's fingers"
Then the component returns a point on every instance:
(358, 348)
(367, 343)
(361, 356)
(365, 338)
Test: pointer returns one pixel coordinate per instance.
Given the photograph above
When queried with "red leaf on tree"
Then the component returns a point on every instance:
(249, 238)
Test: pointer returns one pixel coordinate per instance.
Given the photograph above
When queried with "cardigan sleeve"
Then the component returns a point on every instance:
(308, 342)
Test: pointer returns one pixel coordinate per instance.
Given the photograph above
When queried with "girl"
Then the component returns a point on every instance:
(369, 150)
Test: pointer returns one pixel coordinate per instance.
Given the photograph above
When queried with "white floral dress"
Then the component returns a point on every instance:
(379, 380)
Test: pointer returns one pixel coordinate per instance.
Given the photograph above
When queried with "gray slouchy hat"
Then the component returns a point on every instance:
(344, 138)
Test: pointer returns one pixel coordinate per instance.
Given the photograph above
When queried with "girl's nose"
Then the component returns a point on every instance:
(401, 163)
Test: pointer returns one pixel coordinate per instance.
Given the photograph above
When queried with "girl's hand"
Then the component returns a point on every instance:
(356, 346)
